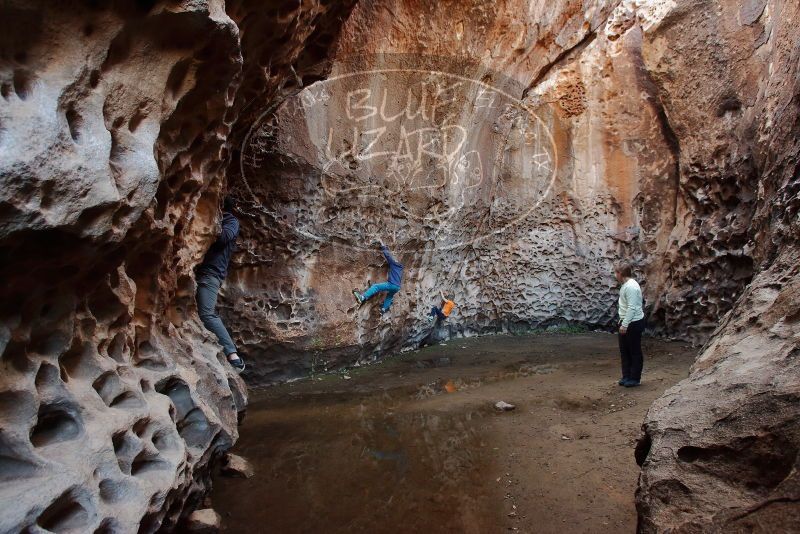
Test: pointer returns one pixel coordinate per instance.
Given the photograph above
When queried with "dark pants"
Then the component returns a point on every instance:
(430, 339)
(207, 290)
(437, 312)
(630, 349)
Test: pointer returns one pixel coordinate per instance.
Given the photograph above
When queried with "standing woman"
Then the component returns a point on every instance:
(631, 326)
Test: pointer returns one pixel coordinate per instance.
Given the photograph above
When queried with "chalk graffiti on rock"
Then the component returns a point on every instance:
(428, 142)
(417, 140)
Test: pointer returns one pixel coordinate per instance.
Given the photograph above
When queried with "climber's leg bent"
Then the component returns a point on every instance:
(387, 287)
(390, 293)
(436, 312)
(374, 289)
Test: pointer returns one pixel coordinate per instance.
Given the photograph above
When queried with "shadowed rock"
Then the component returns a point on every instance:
(662, 132)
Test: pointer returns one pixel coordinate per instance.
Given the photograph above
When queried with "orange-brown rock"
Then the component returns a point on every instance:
(721, 449)
(558, 160)
(508, 152)
(114, 127)
(674, 143)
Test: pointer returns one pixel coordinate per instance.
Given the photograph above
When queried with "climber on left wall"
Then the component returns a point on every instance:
(210, 275)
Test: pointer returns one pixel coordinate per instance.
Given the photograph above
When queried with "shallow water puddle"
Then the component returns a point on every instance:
(414, 444)
(362, 466)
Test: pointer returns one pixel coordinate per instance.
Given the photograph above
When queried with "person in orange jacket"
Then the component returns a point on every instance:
(437, 315)
(440, 313)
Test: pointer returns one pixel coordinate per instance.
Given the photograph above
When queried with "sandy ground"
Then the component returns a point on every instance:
(414, 444)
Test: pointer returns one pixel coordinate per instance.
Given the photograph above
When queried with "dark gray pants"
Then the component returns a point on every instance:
(630, 350)
(207, 290)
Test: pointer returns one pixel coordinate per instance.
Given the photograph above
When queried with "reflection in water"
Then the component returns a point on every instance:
(414, 444)
(359, 466)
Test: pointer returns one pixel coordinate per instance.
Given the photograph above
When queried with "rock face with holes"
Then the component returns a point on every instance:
(508, 152)
(113, 403)
(674, 129)
(721, 449)
(114, 124)
(492, 149)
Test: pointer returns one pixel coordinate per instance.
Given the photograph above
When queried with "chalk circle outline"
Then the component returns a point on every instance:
(519, 104)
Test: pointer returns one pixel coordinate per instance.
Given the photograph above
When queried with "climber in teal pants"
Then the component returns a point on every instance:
(390, 287)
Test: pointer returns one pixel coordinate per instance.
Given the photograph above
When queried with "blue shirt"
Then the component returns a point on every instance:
(395, 267)
(219, 255)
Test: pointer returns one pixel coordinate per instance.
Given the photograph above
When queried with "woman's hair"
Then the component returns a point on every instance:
(624, 269)
(228, 204)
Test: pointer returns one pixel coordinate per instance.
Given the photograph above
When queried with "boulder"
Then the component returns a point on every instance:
(234, 465)
(204, 521)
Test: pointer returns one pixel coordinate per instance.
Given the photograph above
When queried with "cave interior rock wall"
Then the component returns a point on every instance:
(664, 132)
(576, 164)
(114, 127)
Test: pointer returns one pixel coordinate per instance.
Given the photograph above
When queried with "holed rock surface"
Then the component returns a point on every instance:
(721, 449)
(524, 146)
(115, 120)
(674, 138)
(548, 172)
(558, 158)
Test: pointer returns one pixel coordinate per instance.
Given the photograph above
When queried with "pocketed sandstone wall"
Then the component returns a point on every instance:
(571, 166)
(114, 126)
(670, 128)
(720, 450)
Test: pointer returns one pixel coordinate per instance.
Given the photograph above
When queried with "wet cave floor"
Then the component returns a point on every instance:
(414, 444)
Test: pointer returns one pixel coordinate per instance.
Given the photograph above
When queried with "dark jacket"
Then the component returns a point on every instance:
(219, 255)
(395, 267)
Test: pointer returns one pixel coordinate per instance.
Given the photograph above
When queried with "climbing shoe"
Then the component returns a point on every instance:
(359, 297)
(237, 364)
